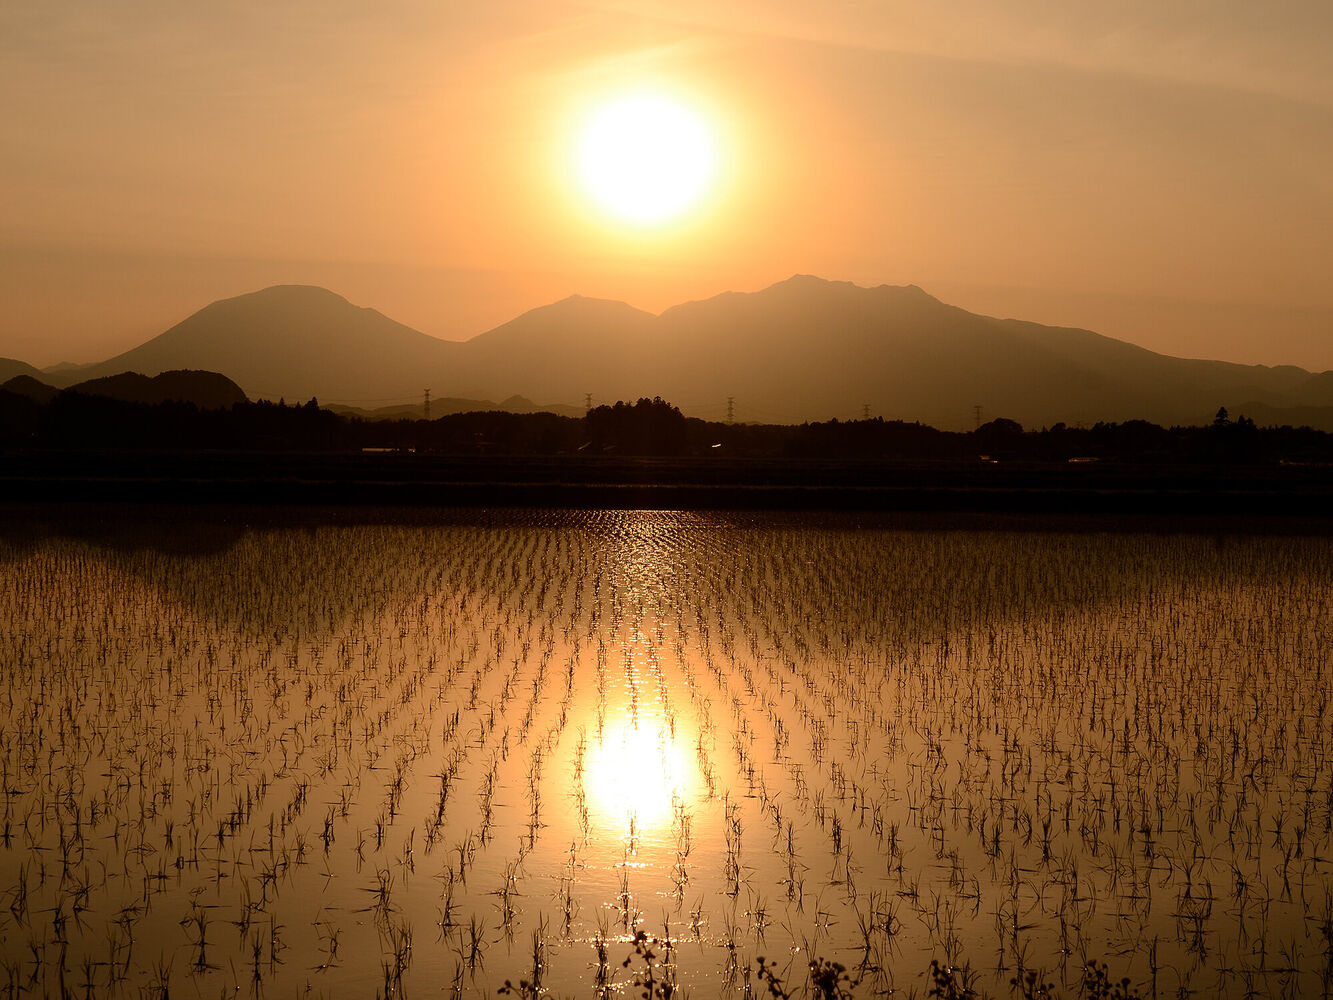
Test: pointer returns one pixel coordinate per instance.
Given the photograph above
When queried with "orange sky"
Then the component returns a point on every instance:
(1157, 171)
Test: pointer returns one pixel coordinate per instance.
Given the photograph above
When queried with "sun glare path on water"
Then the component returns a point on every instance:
(645, 158)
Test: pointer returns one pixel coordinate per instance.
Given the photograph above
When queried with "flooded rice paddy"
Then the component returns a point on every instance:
(424, 760)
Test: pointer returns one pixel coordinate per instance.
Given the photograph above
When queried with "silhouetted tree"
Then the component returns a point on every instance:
(648, 427)
(1000, 435)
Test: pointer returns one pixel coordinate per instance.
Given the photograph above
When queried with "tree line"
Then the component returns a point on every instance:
(647, 427)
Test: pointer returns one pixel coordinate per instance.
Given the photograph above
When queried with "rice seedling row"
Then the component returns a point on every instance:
(404, 760)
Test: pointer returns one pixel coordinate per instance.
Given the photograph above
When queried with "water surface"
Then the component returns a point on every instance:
(376, 758)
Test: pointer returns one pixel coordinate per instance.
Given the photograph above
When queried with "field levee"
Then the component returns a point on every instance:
(410, 480)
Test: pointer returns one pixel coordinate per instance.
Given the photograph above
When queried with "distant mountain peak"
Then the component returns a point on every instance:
(814, 288)
(296, 341)
(577, 301)
(804, 294)
(287, 291)
(570, 316)
(812, 280)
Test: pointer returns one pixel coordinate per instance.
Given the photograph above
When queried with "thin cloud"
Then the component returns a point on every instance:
(1272, 49)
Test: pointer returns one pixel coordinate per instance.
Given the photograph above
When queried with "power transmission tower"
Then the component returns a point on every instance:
(731, 409)
(587, 402)
(976, 414)
(865, 411)
(427, 406)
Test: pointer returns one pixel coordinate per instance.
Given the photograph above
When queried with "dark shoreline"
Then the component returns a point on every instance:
(1274, 497)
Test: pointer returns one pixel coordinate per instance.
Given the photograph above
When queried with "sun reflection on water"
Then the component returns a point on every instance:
(637, 772)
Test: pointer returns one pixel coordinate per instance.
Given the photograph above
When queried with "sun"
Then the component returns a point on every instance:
(645, 158)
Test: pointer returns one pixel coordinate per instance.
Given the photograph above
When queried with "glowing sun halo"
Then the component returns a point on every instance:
(645, 159)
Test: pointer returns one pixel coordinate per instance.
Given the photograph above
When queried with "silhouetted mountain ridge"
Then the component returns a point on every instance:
(804, 349)
(296, 341)
(9, 369)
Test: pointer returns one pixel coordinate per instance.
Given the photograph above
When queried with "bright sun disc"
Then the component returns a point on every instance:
(645, 158)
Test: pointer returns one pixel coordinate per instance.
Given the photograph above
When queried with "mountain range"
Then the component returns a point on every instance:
(802, 349)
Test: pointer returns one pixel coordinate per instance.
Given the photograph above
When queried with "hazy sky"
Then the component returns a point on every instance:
(1158, 171)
